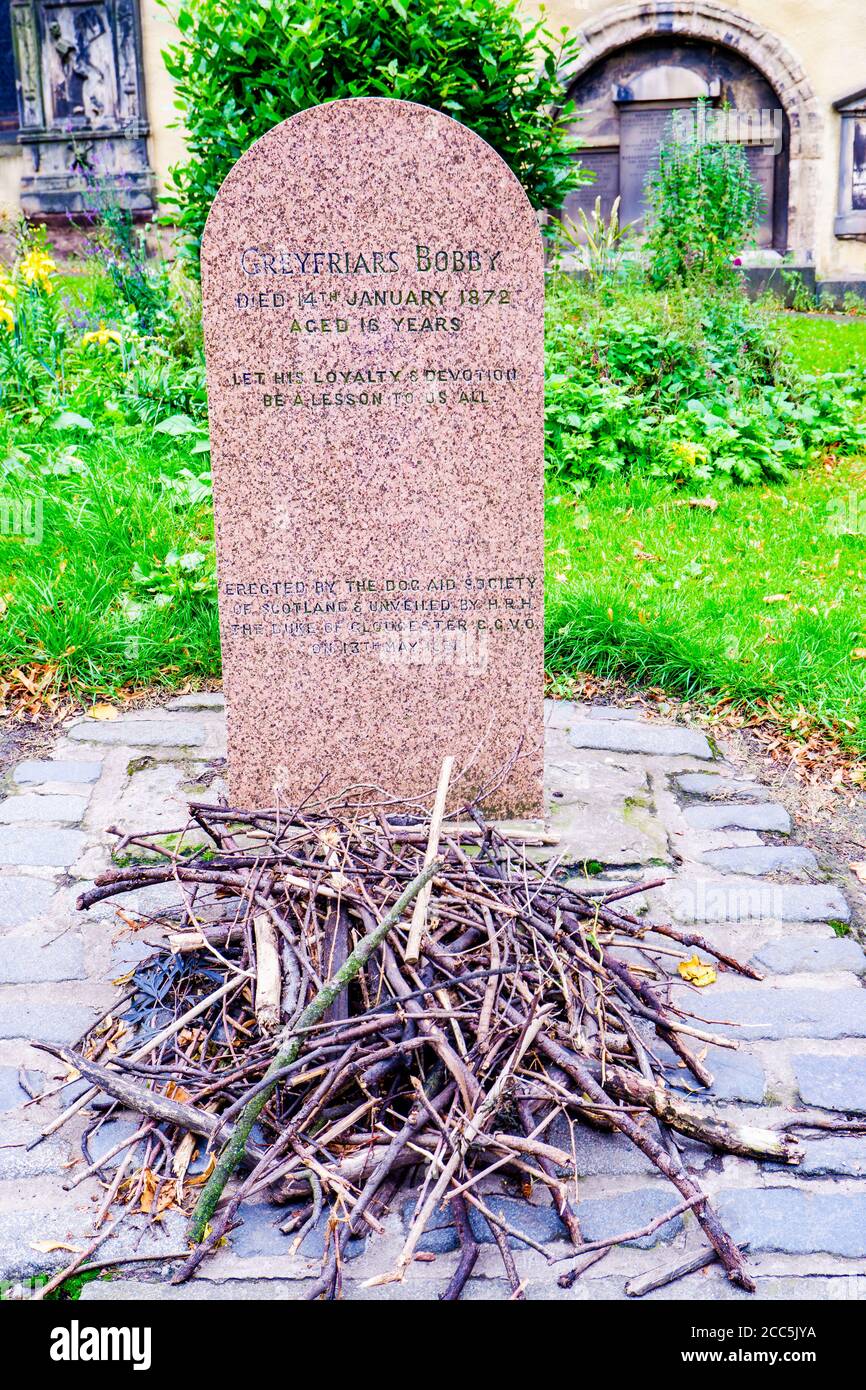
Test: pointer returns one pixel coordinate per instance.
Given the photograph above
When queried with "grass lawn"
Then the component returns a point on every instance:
(107, 571)
(760, 599)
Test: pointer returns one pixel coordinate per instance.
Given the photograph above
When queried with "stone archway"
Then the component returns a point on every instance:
(701, 20)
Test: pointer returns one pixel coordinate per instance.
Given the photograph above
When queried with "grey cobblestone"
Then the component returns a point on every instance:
(40, 957)
(634, 736)
(11, 1094)
(39, 847)
(762, 859)
(832, 1083)
(602, 1217)
(596, 1153)
(796, 1220)
(31, 806)
(57, 1023)
(736, 1075)
(42, 770)
(843, 1157)
(19, 1228)
(199, 699)
(541, 1224)
(746, 900)
(260, 1235)
(22, 898)
(140, 733)
(715, 784)
(767, 816)
(17, 1162)
(766, 1011)
(796, 956)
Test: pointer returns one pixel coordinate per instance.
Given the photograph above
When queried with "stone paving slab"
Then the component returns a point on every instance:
(24, 898)
(140, 733)
(832, 1083)
(805, 957)
(715, 784)
(767, 1010)
(796, 1221)
(767, 816)
(45, 770)
(633, 736)
(762, 859)
(38, 956)
(631, 798)
(747, 900)
(33, 807)
(38, 847)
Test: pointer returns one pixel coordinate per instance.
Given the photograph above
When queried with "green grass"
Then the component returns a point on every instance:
(119, 593)
(761, 599)
(826, 345)
(94, 597)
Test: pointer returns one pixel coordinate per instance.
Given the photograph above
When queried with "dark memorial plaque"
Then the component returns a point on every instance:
(604, 164)
(373, 299)
(641, 133)
(762, 162)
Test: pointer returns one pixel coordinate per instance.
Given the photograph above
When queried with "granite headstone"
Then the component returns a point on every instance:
(373, 293)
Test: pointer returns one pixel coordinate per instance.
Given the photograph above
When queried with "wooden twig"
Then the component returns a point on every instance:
(269, 979)
(290, 1046)
(668, 1274)
(136, 1098)
(419, 914)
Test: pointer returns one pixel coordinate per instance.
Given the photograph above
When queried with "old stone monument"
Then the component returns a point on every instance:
(372, 277)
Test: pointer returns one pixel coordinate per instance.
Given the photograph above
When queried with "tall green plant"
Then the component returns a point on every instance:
(598, 242)
(703, 203)
(241, 69)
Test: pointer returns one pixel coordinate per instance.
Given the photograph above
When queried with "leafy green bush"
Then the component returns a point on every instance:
(685, 386)
(241, 69)
(703, 202)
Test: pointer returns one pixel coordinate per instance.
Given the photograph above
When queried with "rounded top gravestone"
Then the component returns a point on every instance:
(373, 294)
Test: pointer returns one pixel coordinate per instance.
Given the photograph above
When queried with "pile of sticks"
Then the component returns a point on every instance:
(354, 1004)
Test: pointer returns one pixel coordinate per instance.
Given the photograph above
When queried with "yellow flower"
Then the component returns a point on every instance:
(102, 336)
(37, 268)
(6, 317)
(7, 289)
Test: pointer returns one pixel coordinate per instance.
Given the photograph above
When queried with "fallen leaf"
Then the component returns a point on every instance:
(45, 1247)
(777, 598)
(858, 654)
(157, 1190)
(709, 503)
(176, 1092)
(102, 712)
(204, 1174)
(697, 972)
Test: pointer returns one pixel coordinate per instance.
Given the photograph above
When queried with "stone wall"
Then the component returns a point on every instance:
(803, 49)
(806, 51)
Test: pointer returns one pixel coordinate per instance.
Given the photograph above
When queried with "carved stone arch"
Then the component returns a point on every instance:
(699, 20)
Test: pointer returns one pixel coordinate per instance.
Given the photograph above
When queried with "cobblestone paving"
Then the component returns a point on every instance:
(629, 798)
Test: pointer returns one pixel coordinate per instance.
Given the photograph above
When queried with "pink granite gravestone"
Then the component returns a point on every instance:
(372, 276)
